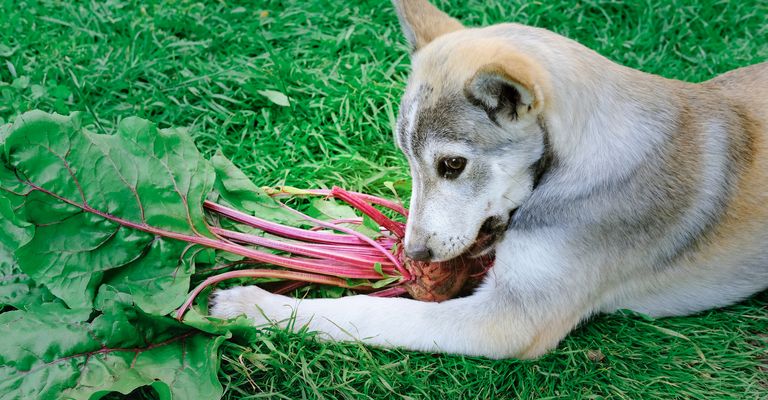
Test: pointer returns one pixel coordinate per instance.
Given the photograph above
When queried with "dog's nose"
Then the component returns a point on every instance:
(418, 253)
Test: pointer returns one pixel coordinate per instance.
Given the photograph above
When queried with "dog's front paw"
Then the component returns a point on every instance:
(257, 304)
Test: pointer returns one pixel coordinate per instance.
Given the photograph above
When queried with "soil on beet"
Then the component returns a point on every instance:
(440, 281)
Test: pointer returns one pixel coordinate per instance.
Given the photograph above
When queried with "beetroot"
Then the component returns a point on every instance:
(439, 281)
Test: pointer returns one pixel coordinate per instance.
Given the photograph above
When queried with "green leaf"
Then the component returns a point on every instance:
(71, 257)
(159, 280)
(10, 186)
(13, 231)
(369, 223)
(240, 327)
(401, 185)
(16, 288)
(64, 355)
(19, 291)
(241, 193)
(391, 186)
(132, 184)
(275, 97)
(333, 209)
(329, 292)
(377, 268)
(290, 190)
(357, 282)
(384, 282)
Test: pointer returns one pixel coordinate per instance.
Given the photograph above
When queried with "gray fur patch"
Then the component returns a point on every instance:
(452, 118)
(547, 159)
(661, 209)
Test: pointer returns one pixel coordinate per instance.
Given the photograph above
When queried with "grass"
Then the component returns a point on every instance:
(343, 66)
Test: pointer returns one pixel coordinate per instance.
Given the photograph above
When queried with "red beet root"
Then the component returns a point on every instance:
(439, 281)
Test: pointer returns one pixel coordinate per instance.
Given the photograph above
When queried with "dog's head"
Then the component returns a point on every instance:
(471, 127)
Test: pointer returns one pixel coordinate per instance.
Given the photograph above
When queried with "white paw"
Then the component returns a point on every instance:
(260, 306)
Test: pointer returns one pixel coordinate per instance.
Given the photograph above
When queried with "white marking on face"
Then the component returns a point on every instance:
(414, 195)
(410, 123)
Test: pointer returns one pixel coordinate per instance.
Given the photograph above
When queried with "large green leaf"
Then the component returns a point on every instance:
(97, 247)
(84, 213)
(68, 354)
(98, 202)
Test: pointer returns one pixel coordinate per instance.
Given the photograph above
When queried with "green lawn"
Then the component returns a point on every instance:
(343, 67)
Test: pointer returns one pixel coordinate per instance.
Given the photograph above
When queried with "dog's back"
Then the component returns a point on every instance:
(748, 84)
(730, 258)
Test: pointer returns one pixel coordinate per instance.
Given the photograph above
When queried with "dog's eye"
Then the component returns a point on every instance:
(451, 167)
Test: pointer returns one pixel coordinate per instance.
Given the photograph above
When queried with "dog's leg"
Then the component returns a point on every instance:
(514, 314)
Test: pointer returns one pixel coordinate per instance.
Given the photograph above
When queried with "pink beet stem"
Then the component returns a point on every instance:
(403, 272)
(355, 221)
(280, 230)
(320, 268)
(357, 250)
(367, 197)
(395, 227)
(300, 264)
(296, 248)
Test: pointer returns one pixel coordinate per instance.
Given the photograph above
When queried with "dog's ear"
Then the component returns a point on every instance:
(502, 94)
(422, 22)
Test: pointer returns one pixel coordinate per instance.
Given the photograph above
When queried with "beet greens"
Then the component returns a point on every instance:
(102, 235)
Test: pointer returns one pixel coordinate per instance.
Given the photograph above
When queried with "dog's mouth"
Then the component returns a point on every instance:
(443, 280)
(489, 234)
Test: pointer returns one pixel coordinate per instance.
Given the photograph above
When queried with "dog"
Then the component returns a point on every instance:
(603, 187)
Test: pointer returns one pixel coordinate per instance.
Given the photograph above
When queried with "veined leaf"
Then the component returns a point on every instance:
(18, 290)
(159, 280)
(112, 226)
(14, 232)
(64, 355)
(100, 202)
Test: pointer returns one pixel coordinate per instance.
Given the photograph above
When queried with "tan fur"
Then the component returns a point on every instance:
(747, 212)
(443, 72)
(518, 70)
(428, 21)
(739, 96)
